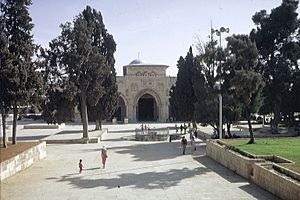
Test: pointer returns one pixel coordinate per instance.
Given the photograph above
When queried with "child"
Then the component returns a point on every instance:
(80, 166)
(103, 156)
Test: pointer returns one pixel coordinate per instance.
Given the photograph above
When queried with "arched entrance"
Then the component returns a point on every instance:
(121, 111)
(147, 108)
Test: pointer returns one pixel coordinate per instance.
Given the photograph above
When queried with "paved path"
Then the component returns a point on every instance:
(143, 170)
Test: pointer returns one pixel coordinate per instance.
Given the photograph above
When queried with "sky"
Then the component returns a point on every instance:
(156, 31)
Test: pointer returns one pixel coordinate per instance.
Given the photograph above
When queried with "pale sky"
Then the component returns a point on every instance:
(160, 30)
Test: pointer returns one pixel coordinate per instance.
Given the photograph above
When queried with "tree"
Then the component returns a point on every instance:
(19, 74)
(278, 44)
(240, 77)
(107, 104)
(247, 90)
(83, 52)
(204, 80)
(182, 96)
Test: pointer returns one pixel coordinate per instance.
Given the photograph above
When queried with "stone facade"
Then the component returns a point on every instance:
(144, 92)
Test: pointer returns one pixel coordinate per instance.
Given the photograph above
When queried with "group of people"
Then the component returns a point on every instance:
(182, 128)
(103, 156)
(184, 144)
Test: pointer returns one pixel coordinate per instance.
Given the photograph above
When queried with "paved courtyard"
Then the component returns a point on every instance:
(135, 170)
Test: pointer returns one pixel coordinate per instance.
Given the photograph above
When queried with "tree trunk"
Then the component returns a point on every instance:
(4, 130)
(14, 130)
(251, 141)
(228, 130)
(97, 125)
(100, 124)
(276, 119)
(84, 116)
(194, 124)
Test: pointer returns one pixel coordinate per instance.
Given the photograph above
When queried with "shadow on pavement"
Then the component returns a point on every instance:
(147, 180)
(145, 151)
(34, 137)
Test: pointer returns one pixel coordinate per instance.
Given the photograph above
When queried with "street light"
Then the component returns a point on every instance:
(218, 87)
(219, 32)
(218, 83)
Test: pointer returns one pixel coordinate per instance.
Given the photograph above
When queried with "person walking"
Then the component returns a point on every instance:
(183, 143)
(193, 145)
(103, 156)
(181, 127)
(80, 166)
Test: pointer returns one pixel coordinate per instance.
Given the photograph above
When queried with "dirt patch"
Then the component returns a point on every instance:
(13, 150)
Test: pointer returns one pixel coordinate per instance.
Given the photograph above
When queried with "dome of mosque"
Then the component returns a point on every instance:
(136, 62)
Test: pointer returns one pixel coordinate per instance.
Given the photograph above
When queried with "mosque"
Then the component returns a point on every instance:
(144, 93)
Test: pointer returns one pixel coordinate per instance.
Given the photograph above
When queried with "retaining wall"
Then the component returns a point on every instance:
(274, 178)
(23, 160)
(276, 183)
(230, 159)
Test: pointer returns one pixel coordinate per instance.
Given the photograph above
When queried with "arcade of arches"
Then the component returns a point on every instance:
(144, 98)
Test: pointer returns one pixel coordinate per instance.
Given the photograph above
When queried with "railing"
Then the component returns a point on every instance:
(153, 134)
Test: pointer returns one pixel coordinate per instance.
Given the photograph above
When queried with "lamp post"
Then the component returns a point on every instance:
(219, 32)
(218, 84)
(218, 87)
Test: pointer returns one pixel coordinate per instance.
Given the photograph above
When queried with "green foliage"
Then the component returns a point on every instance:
(182, 96)
(21, 81)
(80, 62)
(285, 147)
(277, 39)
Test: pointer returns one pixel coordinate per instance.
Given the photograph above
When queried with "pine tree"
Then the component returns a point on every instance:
(18, 72)
(84, 53)
(278, 44)
(240, 76)
(182, 96)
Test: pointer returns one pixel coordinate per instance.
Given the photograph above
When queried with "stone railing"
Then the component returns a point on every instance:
(153, 134)
(23, 160)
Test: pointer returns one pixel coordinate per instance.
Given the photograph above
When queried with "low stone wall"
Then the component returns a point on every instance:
(44, 126)
(230, 159)
(75, 138)
(22, 161)
(276, 183)
(278, 180)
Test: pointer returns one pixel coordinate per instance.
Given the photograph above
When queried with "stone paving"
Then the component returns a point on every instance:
(135, 170)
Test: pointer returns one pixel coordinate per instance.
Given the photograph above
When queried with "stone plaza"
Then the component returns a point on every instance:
(135, 170)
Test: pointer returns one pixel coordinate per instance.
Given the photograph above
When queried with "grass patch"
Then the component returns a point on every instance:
(288, 148)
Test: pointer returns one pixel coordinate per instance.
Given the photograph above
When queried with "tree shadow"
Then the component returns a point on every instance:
(154, 151)
(33, 137)
(147, 180)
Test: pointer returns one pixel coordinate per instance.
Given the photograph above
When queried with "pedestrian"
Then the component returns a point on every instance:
(191, 134)
(184, 127)
(183, 143)
(103, 156)
(176, 127)
(193, 145)
(80, 166)
(195, 133)
(181, 127)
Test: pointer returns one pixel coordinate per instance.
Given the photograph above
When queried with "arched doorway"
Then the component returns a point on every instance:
(147, 108)
(121, 110)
